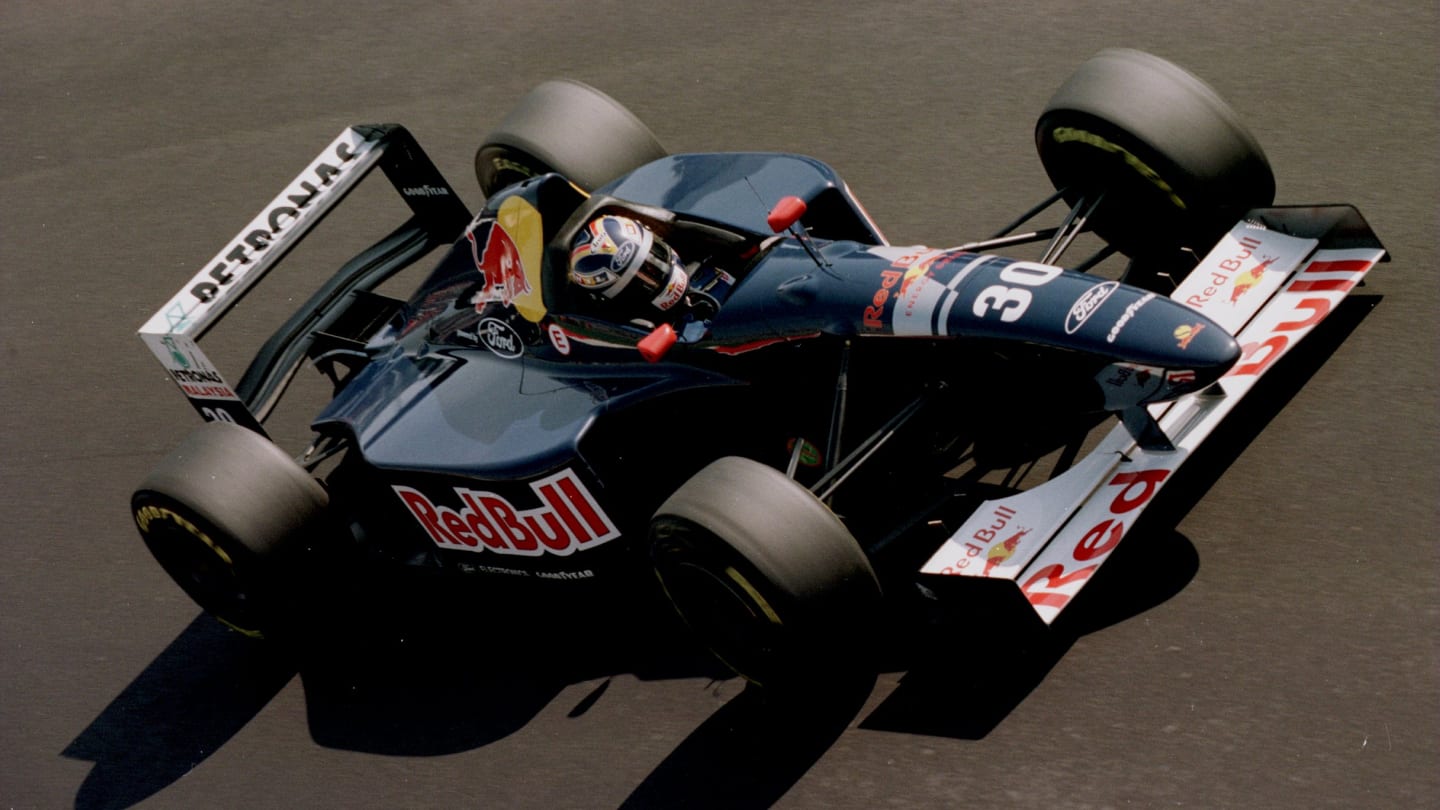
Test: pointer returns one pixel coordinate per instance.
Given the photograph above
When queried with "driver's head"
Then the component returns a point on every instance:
(616, 258)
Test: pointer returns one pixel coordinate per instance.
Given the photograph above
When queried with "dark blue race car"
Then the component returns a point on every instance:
(715, 367)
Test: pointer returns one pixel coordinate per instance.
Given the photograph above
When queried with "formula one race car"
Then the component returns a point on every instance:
(716, 367)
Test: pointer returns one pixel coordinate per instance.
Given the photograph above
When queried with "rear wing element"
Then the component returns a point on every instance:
(173, 331)
(1269, 281)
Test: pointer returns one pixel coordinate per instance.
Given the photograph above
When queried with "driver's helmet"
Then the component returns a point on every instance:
(615, 257)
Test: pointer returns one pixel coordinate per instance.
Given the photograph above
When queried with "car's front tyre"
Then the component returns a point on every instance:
(765, 575)
(568, 127)
(1175, 164)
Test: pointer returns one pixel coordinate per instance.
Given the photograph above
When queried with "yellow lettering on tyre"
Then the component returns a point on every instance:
(739, 579)
(1073, 135)
(242, 630)
(146, 515)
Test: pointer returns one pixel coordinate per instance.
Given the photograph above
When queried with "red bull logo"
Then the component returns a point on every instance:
(567, 519)
(1002, 551)
(499, 263)
(985, 541)
(1244, 281)
(1185, 333)
(1223, 272)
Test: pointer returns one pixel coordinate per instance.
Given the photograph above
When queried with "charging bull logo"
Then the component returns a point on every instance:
(499, 264)
(1244, 281)
(1003, 551)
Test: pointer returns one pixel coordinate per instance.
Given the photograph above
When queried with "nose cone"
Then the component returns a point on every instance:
(1202, 345)
(1156, 331)
(1210, 361)
(1164, 350)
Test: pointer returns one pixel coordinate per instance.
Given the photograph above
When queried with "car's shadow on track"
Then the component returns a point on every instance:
(751, 751)
(427, 694)
(445, 673)
(202, 689)
(456, 673)
(410, 688)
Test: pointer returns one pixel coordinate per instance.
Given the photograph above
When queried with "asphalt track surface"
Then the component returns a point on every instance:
(1272, 645)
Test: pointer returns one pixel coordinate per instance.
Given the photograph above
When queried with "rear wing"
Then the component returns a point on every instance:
(1269, 281)
(172, 333)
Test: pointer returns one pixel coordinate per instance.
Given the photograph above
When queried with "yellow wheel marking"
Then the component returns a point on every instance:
(1070, 134)
(738, 579)
(147, 514)
(237, 628)
(503, 164)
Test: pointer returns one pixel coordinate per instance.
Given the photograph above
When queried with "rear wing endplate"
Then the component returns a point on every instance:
(1269, 281)
(173, 332)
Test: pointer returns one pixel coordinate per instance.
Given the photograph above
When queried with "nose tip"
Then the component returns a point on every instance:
(1207, 346)
(1206, 359)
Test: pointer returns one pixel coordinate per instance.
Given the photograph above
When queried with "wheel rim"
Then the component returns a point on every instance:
(504, 167)
(201, 567)
(768, 577)
(724, 608)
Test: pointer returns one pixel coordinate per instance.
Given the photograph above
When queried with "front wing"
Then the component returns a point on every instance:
(1270, 281)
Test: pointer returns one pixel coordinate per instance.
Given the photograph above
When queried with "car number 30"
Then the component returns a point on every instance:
(1011, 302)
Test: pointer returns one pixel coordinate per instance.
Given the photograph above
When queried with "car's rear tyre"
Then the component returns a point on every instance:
(568, 127)
(1175, 164)
(765, 575)
(222, 514)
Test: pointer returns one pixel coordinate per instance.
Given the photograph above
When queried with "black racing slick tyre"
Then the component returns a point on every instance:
(568, 127)
(765, 575)
(1173, 160)
(223, 515)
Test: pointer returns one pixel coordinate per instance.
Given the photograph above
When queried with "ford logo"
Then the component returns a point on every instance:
(500, 338)
(1087, 304)
(623, 256)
